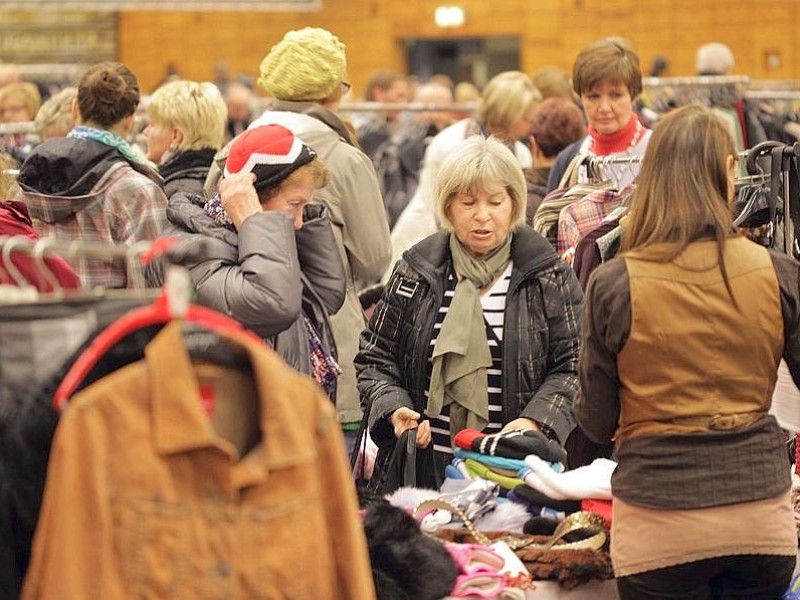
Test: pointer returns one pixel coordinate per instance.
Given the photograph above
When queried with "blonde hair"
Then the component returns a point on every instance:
(480, 163)
(554, 82)
(7, 181)
(682, 187)
(465, 91)
(56, 113)
(505, 99)
(25, 92)
(198, 110)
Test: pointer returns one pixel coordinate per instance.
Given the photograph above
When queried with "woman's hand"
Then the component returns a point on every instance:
(404, 418)
(239, 198)
(521, 423)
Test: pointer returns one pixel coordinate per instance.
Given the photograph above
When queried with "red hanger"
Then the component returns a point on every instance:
(163, 310)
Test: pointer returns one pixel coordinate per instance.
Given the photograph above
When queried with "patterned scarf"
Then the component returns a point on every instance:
(109, 138)
(214, 209)
(324, 368)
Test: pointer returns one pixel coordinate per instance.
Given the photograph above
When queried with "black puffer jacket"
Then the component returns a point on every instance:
(540, 337)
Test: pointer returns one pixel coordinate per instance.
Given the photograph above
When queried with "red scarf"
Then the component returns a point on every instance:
(621, 141)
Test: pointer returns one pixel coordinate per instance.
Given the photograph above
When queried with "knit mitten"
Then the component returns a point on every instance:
(519, 444)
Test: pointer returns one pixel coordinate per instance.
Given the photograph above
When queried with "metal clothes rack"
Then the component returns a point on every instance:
(773, 95)
(19, 127)
(40, 249)
(263, 103)
(774, 84)
(700, 81)
(52, 72)
(410, 106)
(599, 161)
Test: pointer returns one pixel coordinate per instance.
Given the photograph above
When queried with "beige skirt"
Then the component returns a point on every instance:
(645, 539)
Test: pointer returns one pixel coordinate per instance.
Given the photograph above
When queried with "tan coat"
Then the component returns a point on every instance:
(144, 499)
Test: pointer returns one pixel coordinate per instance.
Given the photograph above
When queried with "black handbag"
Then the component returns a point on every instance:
(396, 465)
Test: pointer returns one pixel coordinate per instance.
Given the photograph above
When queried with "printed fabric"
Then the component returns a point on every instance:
(214, 209)
(582, 216)
(108, 138)
(324, 368)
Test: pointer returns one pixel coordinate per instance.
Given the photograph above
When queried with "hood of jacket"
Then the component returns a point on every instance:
(63, 176)
(314, 131)
(67, 167)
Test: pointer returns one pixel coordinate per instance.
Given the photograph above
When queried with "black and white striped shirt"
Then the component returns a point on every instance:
(493, 302)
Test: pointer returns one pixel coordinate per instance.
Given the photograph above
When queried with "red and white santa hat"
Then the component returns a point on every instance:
(272, 152)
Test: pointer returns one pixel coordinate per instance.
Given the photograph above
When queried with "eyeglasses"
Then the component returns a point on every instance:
(346, 87)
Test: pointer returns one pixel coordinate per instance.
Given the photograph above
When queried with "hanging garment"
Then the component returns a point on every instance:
(16, 221)
(583, 215)
(145, 499)
(36, 338)
(37, 345)
(545, 221)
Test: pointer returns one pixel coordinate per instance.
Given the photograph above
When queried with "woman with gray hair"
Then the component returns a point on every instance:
(478, 326)
(505, 111)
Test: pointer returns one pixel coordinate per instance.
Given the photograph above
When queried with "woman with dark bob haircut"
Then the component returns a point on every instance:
(681, 341)
(608, 77)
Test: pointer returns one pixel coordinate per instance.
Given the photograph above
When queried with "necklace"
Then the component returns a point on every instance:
(637, 135)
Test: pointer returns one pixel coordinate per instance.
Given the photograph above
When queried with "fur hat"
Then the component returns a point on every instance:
(406, 564)
(272, 152)
(307, 64)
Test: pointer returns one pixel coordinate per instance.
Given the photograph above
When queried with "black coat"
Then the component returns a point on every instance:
(540, 339)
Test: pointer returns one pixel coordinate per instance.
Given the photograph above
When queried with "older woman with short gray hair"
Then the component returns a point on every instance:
(478, 325)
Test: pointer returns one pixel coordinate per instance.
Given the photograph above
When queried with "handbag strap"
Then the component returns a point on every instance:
(410, 466)
(359, 450)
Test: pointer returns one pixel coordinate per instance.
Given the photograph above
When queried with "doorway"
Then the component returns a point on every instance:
(476, 60)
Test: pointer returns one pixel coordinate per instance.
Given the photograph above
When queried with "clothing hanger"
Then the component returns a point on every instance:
(171, 304)
(70, 251)
(39, 250)
(9, 246)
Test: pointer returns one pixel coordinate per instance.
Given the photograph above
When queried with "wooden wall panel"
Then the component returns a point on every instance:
(550, 31)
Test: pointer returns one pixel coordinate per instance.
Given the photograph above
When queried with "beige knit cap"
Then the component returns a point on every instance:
(307, 64)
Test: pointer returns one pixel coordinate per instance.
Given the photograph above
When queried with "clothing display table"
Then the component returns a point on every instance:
(549, 590)
(594, 590)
